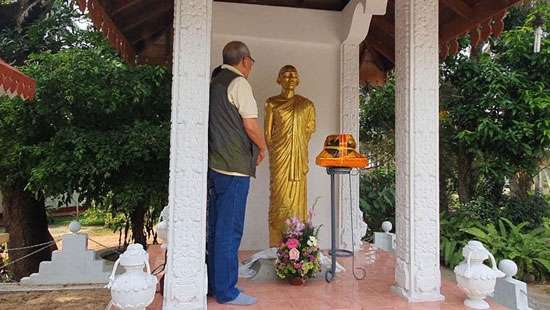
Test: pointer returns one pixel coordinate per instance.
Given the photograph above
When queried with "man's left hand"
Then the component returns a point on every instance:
(261, 156)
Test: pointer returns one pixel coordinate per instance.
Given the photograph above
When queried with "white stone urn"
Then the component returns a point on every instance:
(476, 279)
(134, 289)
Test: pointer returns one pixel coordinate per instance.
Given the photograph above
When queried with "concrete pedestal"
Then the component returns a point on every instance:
(74, 264)
(384, 241)
(511, 293)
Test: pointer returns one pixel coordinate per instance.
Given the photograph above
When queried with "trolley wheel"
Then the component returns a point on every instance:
(329, 276)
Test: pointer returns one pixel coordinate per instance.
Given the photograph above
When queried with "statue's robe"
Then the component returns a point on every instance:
(289, 126)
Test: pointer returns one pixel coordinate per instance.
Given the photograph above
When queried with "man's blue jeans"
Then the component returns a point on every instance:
(226, 209)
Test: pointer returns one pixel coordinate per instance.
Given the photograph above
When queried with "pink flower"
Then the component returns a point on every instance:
(294, 254)
(292, 243)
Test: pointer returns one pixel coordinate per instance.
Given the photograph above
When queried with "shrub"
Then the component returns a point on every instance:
(479, 209)
(116, 221)
(531, 209)
(378, 197)
(93, 217)
(453, 238)
(530, 250)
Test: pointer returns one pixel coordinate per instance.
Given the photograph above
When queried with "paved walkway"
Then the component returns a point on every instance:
(343, 293)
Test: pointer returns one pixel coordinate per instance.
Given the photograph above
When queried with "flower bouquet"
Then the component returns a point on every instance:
(298, 256)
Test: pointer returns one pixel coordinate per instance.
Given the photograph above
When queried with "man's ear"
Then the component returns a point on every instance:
(241, 63)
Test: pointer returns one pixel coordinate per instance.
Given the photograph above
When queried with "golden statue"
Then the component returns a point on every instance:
(289, 124)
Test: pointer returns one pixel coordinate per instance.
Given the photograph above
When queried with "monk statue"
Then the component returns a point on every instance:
(289, 124)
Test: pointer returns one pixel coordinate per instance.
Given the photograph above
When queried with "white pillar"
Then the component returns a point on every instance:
(349, 123)
(417, 271)
(186, 280)
(357, 16)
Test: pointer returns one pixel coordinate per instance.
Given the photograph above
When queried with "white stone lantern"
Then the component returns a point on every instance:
(476, 279)
(134, 289)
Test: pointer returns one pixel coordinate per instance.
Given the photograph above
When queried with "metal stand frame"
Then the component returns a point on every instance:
(334, 252)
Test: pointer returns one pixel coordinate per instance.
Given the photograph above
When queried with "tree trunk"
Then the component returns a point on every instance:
(465, 175)
(22, 11)
(27, 224)
(138, 225)
(521, 184)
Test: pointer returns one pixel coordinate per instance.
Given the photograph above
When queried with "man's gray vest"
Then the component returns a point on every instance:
(229, 148)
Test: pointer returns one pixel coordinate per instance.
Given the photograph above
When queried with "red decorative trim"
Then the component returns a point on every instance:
(82, 5)
(444, 50)
(485, 30)
(103, 22)
(454, 47)
(498, 25)
(474, 37)
(13, 82)
(493, 25)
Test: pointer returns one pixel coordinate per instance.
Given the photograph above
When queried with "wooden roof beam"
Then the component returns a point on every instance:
(127, 6)
(159, 11)
(382, 23)
(331, 6)
(149, 33)
(382, 46)
(459, 7)
(480, 13)
(369, 53)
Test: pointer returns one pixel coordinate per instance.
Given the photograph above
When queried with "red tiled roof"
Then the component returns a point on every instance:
(14, 83)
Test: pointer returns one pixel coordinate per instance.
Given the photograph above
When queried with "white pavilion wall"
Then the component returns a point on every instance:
(309, 40)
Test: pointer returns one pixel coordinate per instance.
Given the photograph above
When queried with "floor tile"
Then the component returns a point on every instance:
(343, 293)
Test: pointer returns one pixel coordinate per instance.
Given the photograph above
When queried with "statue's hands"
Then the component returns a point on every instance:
(261, 156)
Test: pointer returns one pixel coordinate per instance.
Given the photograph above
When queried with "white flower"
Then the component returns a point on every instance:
(294, 254)
(312, 241)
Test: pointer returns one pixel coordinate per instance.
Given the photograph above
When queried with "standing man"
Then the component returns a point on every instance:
(236, 146)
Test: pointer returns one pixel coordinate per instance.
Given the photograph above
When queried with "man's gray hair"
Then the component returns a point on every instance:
(234, 52)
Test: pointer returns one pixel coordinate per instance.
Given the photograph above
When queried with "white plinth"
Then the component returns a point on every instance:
(384, 241)
(74, 264)
(511, 293)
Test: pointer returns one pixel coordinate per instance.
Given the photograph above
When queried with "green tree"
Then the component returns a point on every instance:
(25, 26)
(495, 121)
(96, 126)
(377, 122)
(498, 106)
(109, 128)
(32, 26)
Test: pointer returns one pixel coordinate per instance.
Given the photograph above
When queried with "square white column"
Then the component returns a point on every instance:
(356, 17)
(348, 194)
(417, 271)
(186, 280)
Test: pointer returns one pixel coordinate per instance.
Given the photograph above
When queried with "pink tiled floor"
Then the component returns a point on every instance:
(344, 292)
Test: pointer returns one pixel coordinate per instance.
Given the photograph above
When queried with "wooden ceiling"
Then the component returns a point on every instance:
(141, 30)
(329, 5)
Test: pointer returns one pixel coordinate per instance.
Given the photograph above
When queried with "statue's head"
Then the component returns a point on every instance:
(237, 54)
(288, 77)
